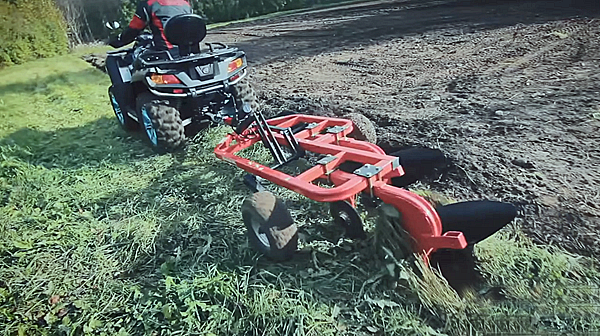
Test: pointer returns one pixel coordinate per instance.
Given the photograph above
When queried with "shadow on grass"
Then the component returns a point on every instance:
(195, 200)
(102, 140)
(37, 82)
(202, 198)
(200, 237)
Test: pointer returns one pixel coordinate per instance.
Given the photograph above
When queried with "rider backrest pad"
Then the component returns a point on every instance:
(186, 31)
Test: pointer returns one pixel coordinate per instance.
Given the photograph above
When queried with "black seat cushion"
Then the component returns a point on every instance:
(185, 30)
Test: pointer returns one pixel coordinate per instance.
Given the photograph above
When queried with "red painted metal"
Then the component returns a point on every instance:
(420, 219)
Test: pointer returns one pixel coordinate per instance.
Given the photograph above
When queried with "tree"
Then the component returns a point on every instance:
(85, 18)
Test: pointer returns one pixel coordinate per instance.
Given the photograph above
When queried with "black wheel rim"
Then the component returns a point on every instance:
(259, 232)
(345, 215)
(149, 127)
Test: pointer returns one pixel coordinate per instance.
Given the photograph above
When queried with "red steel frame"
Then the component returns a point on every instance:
(420, 219)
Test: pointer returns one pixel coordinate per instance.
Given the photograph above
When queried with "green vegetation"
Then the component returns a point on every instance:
(99, 236)
(30, 29)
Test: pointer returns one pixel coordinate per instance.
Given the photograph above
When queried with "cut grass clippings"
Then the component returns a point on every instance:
(99, 236)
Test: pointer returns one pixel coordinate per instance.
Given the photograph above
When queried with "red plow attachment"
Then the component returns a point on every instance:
(328, 137)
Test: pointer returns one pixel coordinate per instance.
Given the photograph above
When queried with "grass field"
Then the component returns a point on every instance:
(99, 236)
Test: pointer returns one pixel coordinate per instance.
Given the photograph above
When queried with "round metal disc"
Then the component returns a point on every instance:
(345, 215)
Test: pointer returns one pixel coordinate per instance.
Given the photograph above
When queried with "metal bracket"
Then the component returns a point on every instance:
(326, 159)
(367, 171)
(312, 125)
(268, 138)
(396, 163)
(336, 129)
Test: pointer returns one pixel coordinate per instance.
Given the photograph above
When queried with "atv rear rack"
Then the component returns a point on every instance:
(328, 137)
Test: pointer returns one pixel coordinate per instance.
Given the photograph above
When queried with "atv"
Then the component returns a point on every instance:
(172, 94)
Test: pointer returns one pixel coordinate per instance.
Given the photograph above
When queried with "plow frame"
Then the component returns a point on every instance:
(329, 137)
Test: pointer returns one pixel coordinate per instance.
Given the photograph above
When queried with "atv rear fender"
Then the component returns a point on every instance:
(117, 67)
(120, 76)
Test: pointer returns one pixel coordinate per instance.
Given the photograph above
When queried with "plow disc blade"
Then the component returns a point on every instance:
(476, 219)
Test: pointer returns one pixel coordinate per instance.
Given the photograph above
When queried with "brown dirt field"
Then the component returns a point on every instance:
(487, 82)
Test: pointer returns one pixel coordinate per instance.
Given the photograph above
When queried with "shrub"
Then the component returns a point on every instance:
(32, 29)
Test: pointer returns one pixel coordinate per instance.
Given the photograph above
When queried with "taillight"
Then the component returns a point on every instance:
(165, 79)
(235, 65)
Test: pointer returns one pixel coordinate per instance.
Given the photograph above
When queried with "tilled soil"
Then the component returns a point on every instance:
(509, 90)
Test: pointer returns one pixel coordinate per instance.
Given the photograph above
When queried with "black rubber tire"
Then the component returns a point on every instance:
(166, 122)
(266, 216)
(364, 129)
(244, 93)
(126, 122)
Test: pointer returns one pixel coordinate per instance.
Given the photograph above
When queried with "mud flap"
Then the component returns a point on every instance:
(117, 69)
(124, 94)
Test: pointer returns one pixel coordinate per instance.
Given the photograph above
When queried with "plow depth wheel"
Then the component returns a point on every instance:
(271, 228)
(346, 216)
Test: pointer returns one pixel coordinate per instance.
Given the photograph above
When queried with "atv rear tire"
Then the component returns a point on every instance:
(121, 114)
(271, 228)
(161, 123)
(244, 93)
(364, 129)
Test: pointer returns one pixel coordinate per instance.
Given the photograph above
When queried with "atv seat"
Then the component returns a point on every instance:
(186, 31)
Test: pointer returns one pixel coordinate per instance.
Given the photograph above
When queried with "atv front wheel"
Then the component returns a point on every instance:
(271, 228)
(364, 129)
(123, 117)
(161, 123)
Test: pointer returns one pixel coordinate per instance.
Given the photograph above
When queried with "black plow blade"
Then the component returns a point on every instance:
(417, 164)
(476, 219)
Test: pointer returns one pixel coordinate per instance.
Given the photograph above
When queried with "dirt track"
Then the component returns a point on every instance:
(488, 82)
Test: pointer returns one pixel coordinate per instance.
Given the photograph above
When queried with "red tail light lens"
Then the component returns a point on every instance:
(165, 79)
(232, 79)
(235, 65)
